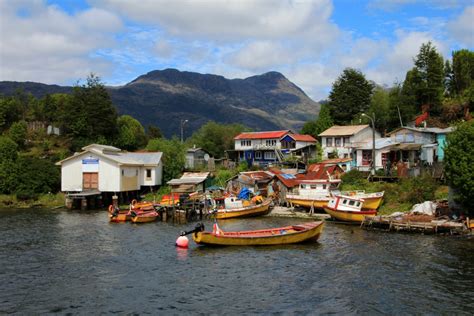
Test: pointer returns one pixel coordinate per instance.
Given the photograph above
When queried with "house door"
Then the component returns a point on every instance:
(90, 180)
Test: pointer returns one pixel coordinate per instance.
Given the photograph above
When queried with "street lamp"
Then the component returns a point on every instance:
(182, 129)
(372, 118)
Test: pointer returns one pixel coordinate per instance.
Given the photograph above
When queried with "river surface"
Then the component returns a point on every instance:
(69, 262)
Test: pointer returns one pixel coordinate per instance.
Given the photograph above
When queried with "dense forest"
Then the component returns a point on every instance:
(441, 91)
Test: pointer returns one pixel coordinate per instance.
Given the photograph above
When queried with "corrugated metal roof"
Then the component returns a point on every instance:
(302, 138)
(262, 135)
(190, 178)
(347, 130)
(434, 130)
(379, 143)
(121, 157)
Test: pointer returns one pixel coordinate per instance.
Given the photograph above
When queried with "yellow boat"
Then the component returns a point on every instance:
(264, 237)
(239, 210)
(116, 215)
(348, 209)
(308, 202)
(144, 216)
(312, 193)
(372, 201)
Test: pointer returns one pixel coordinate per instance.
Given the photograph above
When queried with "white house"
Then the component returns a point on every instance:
(271, 146)
(341, 141)
(109, 169)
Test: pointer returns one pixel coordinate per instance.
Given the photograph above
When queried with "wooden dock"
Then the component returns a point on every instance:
(440, 226)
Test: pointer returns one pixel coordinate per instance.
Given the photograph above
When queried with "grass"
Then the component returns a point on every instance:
(43, 201)
(398, 197)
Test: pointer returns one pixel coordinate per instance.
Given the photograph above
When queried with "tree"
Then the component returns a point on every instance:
(462, 70)
(322, 123)
(90, 115)
(379, 105)
(430, 68)
(349, 96)
(131, 134)
(458, 163)
(174, 156)
(8, 158)
(153, 132)
(17, 133)
(9, 112)
(216, 138)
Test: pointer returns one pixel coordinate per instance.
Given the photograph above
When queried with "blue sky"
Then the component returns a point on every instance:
(310, 42)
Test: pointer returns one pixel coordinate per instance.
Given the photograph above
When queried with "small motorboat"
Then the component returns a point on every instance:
(142, 216)
(312, 193)
(116, 215)
(234, 208)
(292, 234)
(372, 201)
(348, 209)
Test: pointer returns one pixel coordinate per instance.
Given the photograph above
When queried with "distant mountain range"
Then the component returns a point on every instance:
(165, 97)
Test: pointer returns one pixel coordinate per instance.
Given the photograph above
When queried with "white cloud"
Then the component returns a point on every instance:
(224, 19)
(462, 29)
(398, 57)
(261, 56)
(42, 43)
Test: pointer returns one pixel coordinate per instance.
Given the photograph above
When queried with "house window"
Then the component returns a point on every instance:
(351, 202)
(123, 172)
(410, 138)
(148, 173)
(328, 142)
(337, 142)
(324, 187)
(245, 143)
(384, 159)
(366, 157)
(258, 155)
(269, 155)
(347, 141)
(270, 142)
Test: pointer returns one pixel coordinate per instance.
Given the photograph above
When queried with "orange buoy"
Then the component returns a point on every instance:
(182, 242)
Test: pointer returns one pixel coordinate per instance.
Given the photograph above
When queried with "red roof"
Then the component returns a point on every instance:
(303, 138)
(262, 135)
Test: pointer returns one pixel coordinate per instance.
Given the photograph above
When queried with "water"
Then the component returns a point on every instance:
(79, 263)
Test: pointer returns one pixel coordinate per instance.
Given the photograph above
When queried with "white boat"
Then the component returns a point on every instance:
(372, 201)
(348, 209)
(313, 193)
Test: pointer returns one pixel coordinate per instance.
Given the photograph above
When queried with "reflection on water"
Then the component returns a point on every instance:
(73, 262)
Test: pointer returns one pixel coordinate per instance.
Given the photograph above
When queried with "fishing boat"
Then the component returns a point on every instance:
(273, 236)
(234, 208)
(348, 209)
(140, 216)
(116, 215)
(313, 193)
(372, 201)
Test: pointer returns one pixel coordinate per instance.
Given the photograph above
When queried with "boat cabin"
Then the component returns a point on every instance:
(346, 203)
(317, 187)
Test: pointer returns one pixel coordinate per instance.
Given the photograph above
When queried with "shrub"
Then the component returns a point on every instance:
(418, 189)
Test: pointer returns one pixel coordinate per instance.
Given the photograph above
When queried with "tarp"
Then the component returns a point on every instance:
(425, 208)
(244, 194)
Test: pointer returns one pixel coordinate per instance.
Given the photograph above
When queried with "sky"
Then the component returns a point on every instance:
(309, 42)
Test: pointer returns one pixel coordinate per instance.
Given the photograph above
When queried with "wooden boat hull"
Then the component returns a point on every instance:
(307, 202)
(348, 216)
(122, 217)
(372, 203)
(145, 217)
(250, 211)
(265, 237)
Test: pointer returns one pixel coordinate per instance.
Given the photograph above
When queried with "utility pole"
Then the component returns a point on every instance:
(182, 129)
(372, 119)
